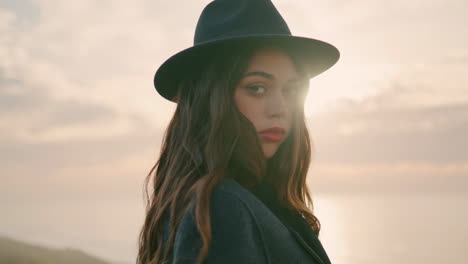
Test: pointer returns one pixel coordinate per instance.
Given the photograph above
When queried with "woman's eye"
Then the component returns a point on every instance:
(256, 89)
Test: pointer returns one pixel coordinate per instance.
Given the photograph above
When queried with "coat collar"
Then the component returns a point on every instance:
(297, 226)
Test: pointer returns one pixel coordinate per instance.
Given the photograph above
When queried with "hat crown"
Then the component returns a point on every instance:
(225, 25)
(237, 18)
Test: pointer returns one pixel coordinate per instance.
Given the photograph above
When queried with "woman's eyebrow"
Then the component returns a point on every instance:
(272, 77)
(259, 73)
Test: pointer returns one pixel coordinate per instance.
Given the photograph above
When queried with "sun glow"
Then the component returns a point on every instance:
(325, 89)
(319, 96)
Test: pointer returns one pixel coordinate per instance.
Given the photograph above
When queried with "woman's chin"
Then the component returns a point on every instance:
(269, 150)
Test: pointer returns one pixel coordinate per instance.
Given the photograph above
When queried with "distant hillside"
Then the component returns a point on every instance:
(16, 252)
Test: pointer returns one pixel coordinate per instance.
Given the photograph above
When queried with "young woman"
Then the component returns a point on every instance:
(230, 182)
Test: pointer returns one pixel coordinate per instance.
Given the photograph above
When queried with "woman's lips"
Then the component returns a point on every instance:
(273, 134)
(274, 137)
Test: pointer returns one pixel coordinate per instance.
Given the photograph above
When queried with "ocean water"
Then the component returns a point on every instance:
(397, 228)
(356, 228)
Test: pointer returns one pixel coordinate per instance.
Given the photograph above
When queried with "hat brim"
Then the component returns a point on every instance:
(317, 54)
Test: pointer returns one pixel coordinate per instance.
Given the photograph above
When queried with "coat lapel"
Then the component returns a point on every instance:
(306, 236)
(304, 244)
(294, 223)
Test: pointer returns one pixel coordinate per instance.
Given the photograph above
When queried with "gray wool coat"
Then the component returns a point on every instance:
(248, 227)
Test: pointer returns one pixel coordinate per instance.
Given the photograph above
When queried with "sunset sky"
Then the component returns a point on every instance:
(80, 119)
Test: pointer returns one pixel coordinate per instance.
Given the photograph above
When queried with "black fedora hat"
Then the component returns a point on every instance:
(238, 22)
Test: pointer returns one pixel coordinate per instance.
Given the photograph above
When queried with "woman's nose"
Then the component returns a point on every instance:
(276, 105)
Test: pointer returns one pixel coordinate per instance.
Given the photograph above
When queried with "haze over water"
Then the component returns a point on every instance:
(356, 228)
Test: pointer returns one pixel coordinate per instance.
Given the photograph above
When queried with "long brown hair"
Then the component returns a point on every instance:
(207, 140)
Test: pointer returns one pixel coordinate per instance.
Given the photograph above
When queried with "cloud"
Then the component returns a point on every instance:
(40, 130)
(59, 146)
(432, 134)
(79, 113)
(76, 85)
(459, 59)
(412, 134)
(103, 51)
(26, 11)
(394, 32)
(107, 156)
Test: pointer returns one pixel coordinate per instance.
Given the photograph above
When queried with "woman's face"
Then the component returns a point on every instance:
(267, 94)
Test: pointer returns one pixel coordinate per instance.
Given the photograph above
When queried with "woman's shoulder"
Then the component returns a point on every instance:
(235, 234)
(229, 201)
(233, 208)
(229, 190)
(231, 187)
